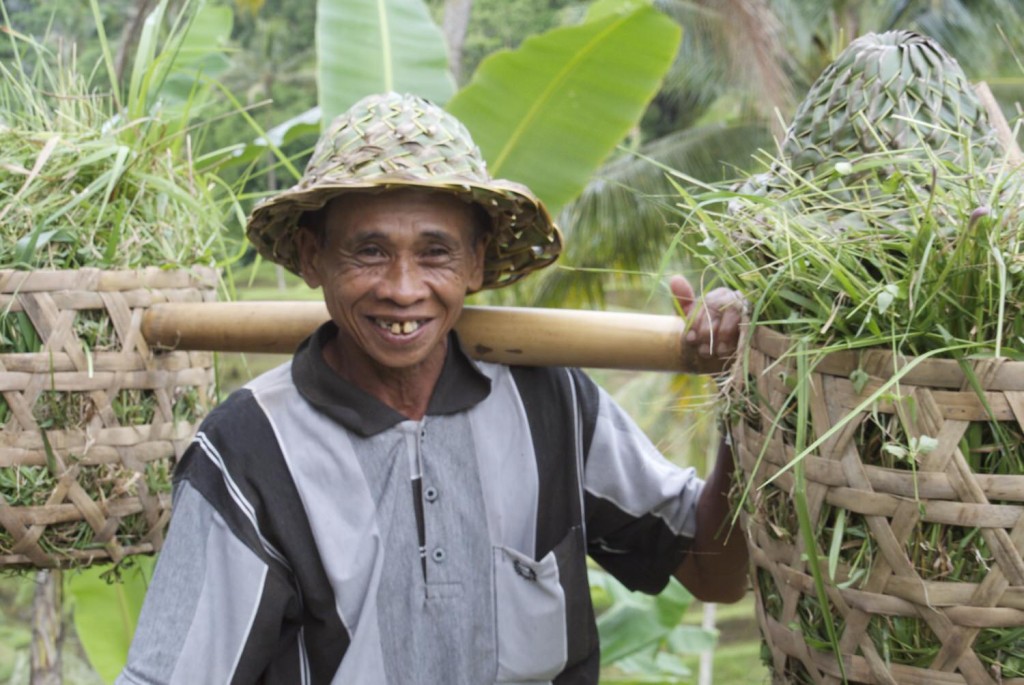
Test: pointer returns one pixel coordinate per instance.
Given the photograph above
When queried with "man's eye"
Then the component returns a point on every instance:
(370, 252)
(437, 252)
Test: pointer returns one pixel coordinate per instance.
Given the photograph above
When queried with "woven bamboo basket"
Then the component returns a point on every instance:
(93, 419)
(977, 516)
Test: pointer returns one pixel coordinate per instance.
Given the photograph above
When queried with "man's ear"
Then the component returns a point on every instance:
(308, 245)
(476, 277)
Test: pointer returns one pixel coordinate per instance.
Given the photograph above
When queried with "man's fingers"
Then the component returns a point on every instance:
(683, 292)
(713, 326)
(728, 331)
(717, 323)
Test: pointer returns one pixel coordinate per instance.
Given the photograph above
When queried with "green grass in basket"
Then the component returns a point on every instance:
(897, 250)
(29, 486)
(96, 175)
(933, 263)
(84, 183)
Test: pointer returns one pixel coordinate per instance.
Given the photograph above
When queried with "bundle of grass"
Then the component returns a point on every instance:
(878, 409)
(104, 211)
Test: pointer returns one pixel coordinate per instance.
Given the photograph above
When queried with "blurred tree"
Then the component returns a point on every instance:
(454, 24)
(130, 34)
(66, 25)
(251, 7)
(273, 73)
(275, 61)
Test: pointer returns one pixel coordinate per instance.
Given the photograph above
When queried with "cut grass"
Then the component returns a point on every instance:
(91, 176)
(898, 250)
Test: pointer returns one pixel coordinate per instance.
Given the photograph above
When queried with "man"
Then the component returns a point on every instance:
(385, 510)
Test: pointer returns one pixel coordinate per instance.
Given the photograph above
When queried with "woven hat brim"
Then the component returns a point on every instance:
(524, 237)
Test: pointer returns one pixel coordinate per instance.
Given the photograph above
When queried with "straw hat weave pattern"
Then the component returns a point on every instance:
(392, 141)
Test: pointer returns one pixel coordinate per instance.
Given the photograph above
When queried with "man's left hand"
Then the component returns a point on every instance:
(715, 570)
(713, 321)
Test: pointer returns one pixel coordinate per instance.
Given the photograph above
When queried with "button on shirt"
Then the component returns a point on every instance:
(319, 536)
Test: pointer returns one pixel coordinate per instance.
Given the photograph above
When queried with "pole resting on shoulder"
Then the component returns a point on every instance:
(508, 335)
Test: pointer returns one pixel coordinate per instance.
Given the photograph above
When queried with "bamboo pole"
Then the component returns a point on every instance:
(508, 335)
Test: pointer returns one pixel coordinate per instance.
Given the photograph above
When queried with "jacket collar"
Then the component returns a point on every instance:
(461, 386)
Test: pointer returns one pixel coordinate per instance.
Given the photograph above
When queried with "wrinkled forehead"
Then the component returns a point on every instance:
(382, 211)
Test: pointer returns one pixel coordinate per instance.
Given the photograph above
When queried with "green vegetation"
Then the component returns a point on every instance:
(741, 68)
(643, 638)
(888, 220)
(102, 165)
(16, 635)
(738, 62)
(99, 173)
(89, 177)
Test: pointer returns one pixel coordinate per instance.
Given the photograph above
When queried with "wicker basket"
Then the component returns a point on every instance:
(93, 420)
(938, 494)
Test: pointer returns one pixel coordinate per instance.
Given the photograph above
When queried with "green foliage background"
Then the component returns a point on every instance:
(712, 113)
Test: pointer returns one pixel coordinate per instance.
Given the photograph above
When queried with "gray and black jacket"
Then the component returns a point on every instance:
(320, 537)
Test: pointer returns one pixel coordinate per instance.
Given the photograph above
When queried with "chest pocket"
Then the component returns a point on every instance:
(531, 610)
(544, 618)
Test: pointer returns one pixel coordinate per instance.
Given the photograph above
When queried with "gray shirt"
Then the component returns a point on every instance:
(319, 536)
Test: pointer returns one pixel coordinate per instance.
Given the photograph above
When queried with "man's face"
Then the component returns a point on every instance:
(394, 268)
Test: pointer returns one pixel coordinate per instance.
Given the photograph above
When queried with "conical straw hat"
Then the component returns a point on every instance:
(392, 141)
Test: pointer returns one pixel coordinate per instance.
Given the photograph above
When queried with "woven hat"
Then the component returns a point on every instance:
(392, 141)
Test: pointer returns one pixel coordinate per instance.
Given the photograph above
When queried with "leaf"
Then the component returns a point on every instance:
(647, 668)
(672, 603)
(837, 543)
(37, 240)
(372, 46)
(168, 71)
(636, 622)
(114, 175)
(204, 43)
(145, 54)
(627, 628)
(924, 444)
(193, 52)
(886, 297)
(44, 155)
(51, 458)
(669, 665)
(305, 123)
(859, 378)
(549, 113)
(803, 515)
(599, 9)
(106, 613)
(692, 639)
(104, 45)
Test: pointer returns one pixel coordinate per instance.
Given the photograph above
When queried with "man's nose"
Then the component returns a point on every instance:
(404, 282)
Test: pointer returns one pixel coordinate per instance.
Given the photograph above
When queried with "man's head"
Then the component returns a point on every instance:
(388, 142)
(394, 268)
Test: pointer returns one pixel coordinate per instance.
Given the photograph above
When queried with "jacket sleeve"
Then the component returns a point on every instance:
(215, 611)
(641, 508)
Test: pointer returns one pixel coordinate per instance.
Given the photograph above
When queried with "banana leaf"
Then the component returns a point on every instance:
(371, 46)
(548, 113)
(107, 611)
(643, 634)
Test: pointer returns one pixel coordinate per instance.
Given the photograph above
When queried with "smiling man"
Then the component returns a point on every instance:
(394, 269)
(385, 510)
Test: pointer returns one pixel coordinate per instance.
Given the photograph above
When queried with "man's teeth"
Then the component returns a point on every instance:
(399, 327)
